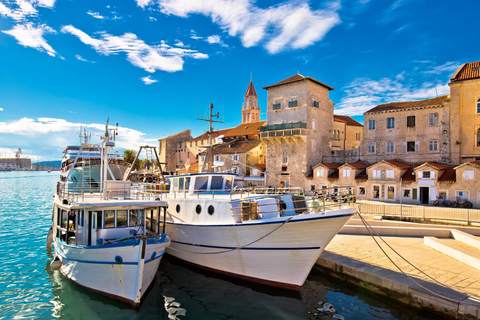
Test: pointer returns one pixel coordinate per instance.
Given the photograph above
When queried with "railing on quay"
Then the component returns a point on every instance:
(423, 213)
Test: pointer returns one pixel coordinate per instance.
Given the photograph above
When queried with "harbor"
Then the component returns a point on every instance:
(425, 278)
(32, 290)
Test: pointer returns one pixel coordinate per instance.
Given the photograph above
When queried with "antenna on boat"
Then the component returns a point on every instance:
(210, 135)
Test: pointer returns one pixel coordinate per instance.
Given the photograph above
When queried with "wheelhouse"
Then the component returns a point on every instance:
(202, 183)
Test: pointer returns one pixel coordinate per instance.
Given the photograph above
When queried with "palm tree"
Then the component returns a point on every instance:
(129, 155)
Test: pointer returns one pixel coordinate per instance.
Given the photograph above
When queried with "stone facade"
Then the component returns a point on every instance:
(251, 108)
(173, 151)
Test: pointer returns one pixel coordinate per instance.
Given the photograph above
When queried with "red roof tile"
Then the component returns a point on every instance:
(251, 90)
(215, 134)
(347, 120)
(467, 71)
(245, 129)
(409, 175)
(329, 165)
(333, 175)
(410, 104)
(295, 78)
(362, 175)
(262, 166)
(449, 175)
(433, 164)
(357, 165)
(398, 164)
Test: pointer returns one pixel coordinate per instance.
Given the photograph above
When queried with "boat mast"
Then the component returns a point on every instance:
(106, 144)
(210, 137)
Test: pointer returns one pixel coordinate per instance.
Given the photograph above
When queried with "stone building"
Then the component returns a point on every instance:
(298, 130)
(465, 115)
(347, 133)
(173, 151)
(412, 131)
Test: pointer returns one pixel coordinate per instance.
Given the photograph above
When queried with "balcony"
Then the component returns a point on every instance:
(284, 130)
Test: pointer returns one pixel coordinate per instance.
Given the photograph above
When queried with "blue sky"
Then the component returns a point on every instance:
(149, 64)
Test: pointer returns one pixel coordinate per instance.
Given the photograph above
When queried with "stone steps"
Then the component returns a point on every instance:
(460, 245)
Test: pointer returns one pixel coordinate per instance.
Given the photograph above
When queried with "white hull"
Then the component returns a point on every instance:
(96, 268)
(283, 255)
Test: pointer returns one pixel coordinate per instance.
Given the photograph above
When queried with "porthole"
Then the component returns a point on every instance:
(211, 210)
(178, 208)
(198, 209)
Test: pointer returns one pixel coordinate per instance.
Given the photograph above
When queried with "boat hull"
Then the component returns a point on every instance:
(279, 252)
(120, 272)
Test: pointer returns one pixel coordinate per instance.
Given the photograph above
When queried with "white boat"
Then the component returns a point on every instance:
(274, 239)
(107, 241)
(84, 163)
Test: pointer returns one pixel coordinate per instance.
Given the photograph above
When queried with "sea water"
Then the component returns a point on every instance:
(29, 289)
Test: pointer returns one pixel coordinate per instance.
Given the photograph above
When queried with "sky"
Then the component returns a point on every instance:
(153, 66)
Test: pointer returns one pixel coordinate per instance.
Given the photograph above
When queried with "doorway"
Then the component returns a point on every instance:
(424, 195)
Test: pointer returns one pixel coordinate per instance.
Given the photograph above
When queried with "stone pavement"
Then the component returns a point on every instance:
(357, 258)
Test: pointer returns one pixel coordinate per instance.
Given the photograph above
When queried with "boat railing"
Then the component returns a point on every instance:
(270, 205)
(77, 191)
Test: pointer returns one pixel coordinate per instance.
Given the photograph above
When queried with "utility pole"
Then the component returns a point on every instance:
(209, 159)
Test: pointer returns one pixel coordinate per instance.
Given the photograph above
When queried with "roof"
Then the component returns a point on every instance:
(468, 163)
(251, 90)
(433, 164)
(215, 134)
(362, 175)
(448, 176)
(356, 165)
(237, 147)
(349, 121)
(261, 166)
(409, 175)
(333, 175)
(245, 129)
(398, 164)
(187, 131)
(328, 165)
(410, 104)
(467, 71)
(295, 78)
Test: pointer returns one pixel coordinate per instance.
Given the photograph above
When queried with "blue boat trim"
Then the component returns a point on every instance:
(113, 262)
(246, 248)
(262, 223)
(124, 243)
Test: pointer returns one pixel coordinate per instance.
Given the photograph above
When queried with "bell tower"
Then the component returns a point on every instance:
(251, 109)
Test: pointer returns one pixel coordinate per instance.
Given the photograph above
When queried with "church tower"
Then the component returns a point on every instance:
(251, 109)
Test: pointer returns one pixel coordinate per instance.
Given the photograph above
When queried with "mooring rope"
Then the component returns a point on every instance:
(371, 231)
(237, 248)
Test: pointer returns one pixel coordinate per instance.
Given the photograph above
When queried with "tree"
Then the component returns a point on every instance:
(129, 155)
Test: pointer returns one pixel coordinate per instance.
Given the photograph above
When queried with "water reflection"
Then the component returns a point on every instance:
(180, 292)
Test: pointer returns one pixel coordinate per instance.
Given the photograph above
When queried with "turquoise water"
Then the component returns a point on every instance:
(29, 289)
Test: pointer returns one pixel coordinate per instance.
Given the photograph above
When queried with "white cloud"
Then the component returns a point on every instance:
(148, 57)
(96, 15)
(450, 66)
(19, 9)
(291, 25)
(147, 80)
(29, 36)
(1, 109)
(47, 137)
(80, 58)
(363, 94)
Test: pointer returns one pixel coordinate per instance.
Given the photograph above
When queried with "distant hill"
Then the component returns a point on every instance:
(49, 164)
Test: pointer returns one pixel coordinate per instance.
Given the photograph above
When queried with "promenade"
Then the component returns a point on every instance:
(356, 257)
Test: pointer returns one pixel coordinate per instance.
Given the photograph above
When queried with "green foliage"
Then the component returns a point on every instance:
(129, 155)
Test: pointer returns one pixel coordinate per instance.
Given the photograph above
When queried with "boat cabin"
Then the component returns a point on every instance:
(100, 225)
(205, 183)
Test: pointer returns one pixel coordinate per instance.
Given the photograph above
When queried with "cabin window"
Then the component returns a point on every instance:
(154, 220)
(228, 183)
(198, 209)
(109, 221)
(80, 218)
(217, 183)
(177, 208)
(149, 219)
(64, 219)
(121, 218)
(187, 183)
(181, 183)
(211, 210)
(201, 183)
(99, 219)
(175, 184)
(136, 217)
